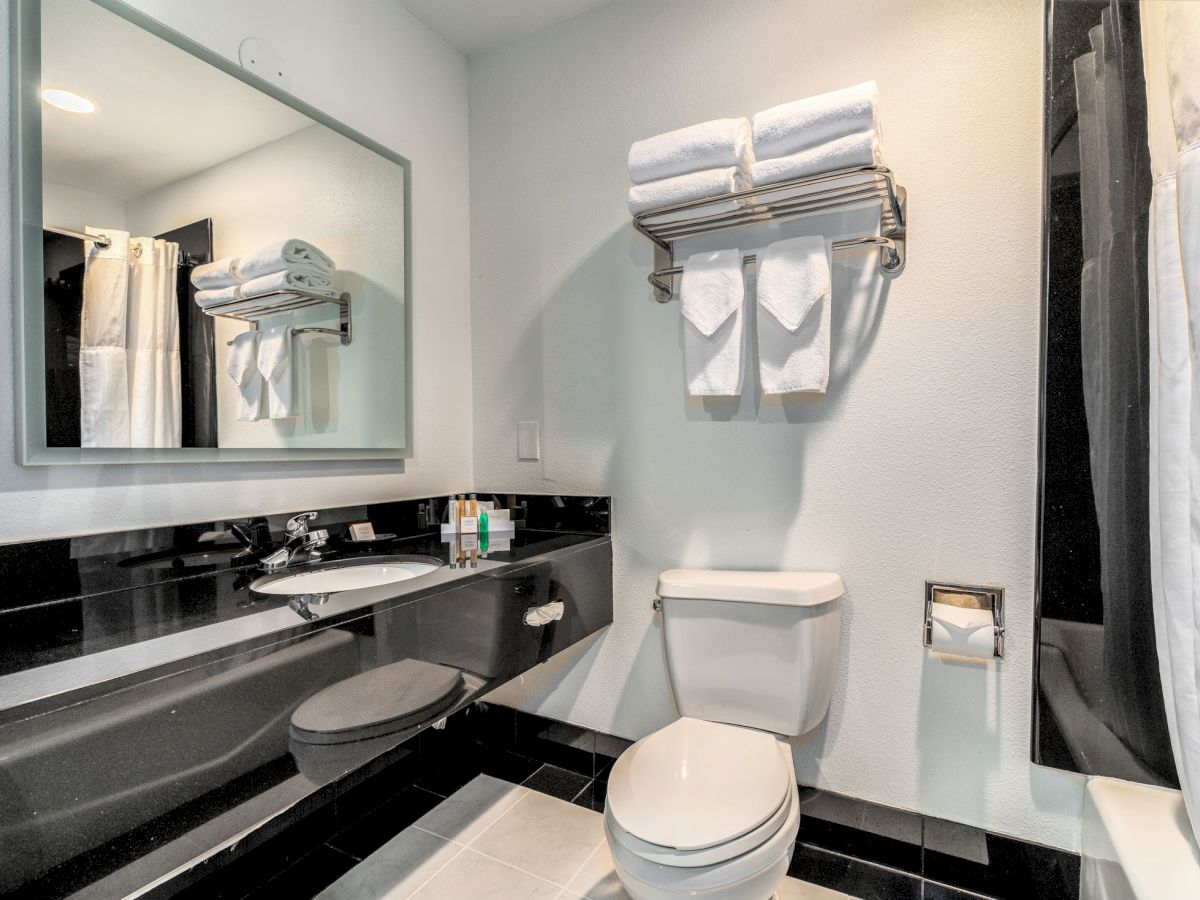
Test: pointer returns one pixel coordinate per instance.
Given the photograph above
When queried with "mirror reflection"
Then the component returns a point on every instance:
(221, 270)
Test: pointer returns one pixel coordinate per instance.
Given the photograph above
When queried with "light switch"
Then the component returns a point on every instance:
(529, 443)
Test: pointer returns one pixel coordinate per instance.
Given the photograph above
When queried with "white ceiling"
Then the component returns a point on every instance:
(161, 113)
(476, 26)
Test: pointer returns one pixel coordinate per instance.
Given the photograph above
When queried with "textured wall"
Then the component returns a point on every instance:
(370, 64)
(921, 460)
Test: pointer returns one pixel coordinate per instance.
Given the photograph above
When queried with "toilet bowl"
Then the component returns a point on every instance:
(702, 809)
(708, 805)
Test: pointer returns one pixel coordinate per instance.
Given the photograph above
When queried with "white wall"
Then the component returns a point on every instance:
(72, 207)
(372, 65)
(921, 460)
(320, 186)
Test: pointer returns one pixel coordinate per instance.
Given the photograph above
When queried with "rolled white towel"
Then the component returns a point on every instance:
(682, 188)
(282, 255)
(800, 124)
(205, 299)
(301, 278)
(708, 145)
(216, 275)
(860, 149)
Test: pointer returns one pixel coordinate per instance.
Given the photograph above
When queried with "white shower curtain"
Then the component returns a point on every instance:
(129, 375)
(1171, 61)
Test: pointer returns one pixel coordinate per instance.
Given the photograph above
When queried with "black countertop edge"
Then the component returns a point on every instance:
(262, 643)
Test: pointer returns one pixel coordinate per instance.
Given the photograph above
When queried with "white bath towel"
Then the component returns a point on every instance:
(282, 255)
(215, 275)
(791, 127)
(793, 354)
(708, 145)
(242, 366)
(711, 293)
(305, 278)
(859, 149)
(205, 299)
(682, 188)
(103, 368)
(275, 366)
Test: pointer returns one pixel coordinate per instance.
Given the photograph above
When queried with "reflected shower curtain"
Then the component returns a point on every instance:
(129, 373)
(1171, 62)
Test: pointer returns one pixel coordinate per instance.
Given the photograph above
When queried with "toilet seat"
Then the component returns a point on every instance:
(696, 784)
(708, 856)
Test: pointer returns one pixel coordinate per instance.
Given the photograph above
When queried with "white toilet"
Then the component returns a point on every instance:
(707, 806)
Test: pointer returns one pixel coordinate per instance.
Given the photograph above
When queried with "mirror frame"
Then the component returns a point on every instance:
(28, 341)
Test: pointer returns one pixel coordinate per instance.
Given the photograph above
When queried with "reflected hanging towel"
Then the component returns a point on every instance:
(242, 367)
(275, 366)
(103, 372)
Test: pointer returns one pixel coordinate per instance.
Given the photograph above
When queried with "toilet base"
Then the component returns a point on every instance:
(761, 886)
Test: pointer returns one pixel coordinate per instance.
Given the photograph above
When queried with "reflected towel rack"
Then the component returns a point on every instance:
(255, 308)
(829, 192)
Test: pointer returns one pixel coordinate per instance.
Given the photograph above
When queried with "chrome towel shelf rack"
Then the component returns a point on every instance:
(255, 308)
(826, 193)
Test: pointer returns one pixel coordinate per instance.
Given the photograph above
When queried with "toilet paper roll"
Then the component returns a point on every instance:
(963, 632)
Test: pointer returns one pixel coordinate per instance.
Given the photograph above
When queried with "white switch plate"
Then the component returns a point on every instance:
(529, 442)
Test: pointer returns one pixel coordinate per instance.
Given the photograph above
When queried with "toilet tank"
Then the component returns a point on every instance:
(757, 649)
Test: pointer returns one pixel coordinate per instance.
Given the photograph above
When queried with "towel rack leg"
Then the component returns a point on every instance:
(663, 288)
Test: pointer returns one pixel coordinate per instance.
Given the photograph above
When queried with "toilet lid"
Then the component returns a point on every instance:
(696, 784)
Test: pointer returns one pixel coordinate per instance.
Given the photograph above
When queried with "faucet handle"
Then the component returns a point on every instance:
(299, 524)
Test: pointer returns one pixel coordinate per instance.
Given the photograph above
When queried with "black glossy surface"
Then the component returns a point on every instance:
(852, 876)
(107, 792)
(1098, 705)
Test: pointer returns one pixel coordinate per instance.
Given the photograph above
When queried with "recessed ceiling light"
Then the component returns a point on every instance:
(68, 100)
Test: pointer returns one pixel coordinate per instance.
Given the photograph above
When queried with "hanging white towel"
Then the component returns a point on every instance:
(794, 300)
(103, 372)
(282, 255)
(792, 127)
(711, 293)
(275, 366)
(305, 278)
(215, 275)
(242, 366)
(859, 149)
(682, 188)
(155, 404)
(708, 145)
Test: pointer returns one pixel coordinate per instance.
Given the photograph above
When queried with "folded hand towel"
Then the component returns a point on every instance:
(859, 149)
(299, 278)
(275, 366)
(282, 255)
(205, 299)
(711, 292)
(794, 299)
(242, 366)
(214, 275)
(792, 127)
(682, 188)
(708, 145)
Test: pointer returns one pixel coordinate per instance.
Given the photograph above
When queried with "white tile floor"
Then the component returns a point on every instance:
(496, 841)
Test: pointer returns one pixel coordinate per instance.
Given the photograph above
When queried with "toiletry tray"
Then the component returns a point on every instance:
(829, 192)
(255, 308)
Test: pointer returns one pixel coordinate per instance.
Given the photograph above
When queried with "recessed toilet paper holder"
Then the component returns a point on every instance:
(967, 596)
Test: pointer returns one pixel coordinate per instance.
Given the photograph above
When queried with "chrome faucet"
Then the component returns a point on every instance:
(301, 545)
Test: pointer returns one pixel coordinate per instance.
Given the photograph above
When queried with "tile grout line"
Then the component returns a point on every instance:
(457, 853)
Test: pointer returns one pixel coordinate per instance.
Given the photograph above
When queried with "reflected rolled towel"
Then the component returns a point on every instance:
(286, 254)
(205, 299)
(215, 275)
(860, 149)
(300, 278)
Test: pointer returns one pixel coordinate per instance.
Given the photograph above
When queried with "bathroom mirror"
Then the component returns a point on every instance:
(1098, 702)
(143, 157)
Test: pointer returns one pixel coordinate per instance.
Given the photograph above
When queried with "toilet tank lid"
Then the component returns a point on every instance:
(778, 588)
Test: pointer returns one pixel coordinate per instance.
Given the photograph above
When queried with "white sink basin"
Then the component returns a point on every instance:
(342, 578)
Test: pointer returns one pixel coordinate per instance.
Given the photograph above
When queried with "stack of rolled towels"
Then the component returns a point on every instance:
(287, 265)
(694, 163)
(817, 135)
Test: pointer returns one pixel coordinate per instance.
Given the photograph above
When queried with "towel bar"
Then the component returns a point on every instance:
(826, 193)
(255, 308)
